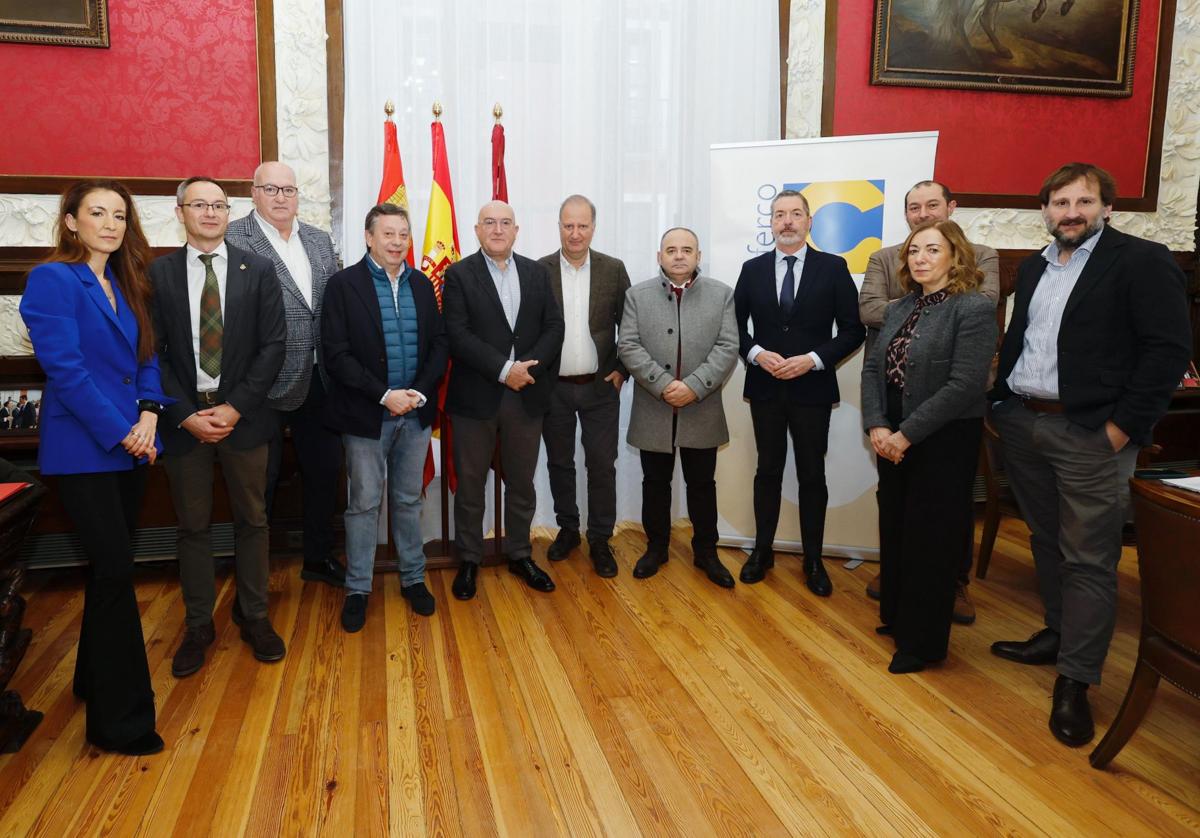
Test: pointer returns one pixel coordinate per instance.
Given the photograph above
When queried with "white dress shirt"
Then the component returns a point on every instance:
(1035, 373)
(780, 273)
(578, 349)
(291, 251)
(195, 284)
(508, 286)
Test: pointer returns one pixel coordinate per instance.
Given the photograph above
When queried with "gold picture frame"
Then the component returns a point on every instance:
(64, 23)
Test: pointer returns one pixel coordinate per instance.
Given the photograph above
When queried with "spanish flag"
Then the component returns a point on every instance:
(391, 188)
(440, 252)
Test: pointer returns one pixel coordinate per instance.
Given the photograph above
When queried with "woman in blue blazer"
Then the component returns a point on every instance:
(88, 313)
(922, 401)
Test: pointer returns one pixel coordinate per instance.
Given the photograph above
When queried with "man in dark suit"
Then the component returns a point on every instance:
(304, 260)
(794, 295)
(26, 415)
(385, 351)
(6, 414)
(1098, 340)
(505, 333)
(590, 289)
(220, 326)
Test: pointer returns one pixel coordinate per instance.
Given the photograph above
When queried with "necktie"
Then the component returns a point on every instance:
(211, 324)
(787, 297)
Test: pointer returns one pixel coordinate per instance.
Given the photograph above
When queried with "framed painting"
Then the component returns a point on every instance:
(66, 23)
(1074, 47)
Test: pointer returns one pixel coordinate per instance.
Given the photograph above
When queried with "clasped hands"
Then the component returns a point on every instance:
(212, 424)
(784, 368)
(888, 444)
(678, 394)
(139, 442)
(400, 402)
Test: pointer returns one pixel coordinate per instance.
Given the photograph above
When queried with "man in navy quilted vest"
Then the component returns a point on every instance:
(385, 352)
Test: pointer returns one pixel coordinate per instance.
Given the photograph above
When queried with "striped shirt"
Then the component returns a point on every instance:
(1036, 371)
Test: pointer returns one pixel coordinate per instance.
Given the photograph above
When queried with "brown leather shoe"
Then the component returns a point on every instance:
(964, 609)
(873, 587)
(189, 657)
(266, 644)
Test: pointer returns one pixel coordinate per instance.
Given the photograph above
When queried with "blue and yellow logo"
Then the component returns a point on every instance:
(847, 218)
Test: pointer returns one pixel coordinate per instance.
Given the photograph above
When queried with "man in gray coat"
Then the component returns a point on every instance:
(679, 341)
(304, 260)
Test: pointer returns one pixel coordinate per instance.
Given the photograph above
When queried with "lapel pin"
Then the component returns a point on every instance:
(243, 266)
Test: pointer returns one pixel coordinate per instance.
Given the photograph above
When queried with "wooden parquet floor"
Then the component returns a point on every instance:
(619, 707)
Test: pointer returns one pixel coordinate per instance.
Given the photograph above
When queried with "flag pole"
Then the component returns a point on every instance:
(497, 472)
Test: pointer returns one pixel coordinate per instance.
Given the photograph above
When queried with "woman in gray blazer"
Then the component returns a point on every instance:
(923, 399)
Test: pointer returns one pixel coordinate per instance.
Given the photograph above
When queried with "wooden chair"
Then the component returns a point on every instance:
(1168, 526)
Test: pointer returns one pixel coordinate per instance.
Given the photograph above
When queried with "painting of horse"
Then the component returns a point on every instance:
(1081, 47)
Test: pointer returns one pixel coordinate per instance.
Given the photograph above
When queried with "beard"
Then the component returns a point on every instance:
(1072, 241)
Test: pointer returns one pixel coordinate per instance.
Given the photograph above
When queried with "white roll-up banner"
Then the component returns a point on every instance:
(855, 188)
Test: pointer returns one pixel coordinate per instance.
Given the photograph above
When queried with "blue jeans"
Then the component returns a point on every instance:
(397, 457)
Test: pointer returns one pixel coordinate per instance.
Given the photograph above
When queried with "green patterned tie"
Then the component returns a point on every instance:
(211, 324)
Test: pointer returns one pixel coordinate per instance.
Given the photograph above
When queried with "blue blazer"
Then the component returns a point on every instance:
(93, 378)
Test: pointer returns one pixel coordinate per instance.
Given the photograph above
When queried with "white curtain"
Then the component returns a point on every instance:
(619, 101)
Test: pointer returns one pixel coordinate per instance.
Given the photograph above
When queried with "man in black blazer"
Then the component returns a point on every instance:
(385, 353)
(794, 295)
(1098, 340)
(218, 319)
(589, 288)
(505, 333)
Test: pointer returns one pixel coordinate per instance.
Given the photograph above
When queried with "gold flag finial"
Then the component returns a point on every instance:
(497, 111)
(437, 109)
(389, 108)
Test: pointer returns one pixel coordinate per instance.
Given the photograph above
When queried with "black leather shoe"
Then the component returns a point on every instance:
(904, 663)
(566, 541)
(1040, 648)
(1070, 715)
(602, 558)
(816, 578)
(419, 598)
(354, 612)
(716, 572)
(533, 575)
(756, 567)
(189, 657)
(263, 641)
(649, 564)
(144, 745)
(464, 581)
(329, 571)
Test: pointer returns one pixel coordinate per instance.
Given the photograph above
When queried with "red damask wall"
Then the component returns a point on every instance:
(1000, 143)
(175, 95)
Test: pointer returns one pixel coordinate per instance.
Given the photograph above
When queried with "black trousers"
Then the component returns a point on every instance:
(111, 673)
(520, 436)
(598, 406)
(319, 454)
(699, 472)
(808, 426)
(925, 516)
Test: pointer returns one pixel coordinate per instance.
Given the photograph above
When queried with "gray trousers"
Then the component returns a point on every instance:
(598, 406)
(520, 437)
(191, 479)
(1074, 494)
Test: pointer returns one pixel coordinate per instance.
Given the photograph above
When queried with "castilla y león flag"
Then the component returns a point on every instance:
(391, 188)
(439, 253)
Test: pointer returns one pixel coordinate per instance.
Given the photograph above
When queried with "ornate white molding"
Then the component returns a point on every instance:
(303, 126)
(1174, 222)
(806, 68)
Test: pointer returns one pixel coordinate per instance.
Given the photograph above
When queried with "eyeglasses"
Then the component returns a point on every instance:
(502, 223)
(219, 207)
(272, 190)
